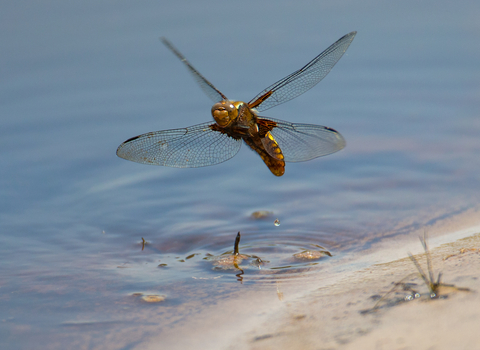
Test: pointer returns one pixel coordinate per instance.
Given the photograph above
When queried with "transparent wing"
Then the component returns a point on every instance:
(207, 87)
(191, 147)
(303, 79)
(301, 142)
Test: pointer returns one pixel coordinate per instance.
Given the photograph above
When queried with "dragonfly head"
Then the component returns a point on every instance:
(224, 112)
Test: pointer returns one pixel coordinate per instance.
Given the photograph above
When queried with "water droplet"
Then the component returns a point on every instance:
(276, 222)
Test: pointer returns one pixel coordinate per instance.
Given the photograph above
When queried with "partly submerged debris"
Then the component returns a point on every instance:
(436, 288)
(312, 254)
(261, 214)
(433, 286)
(233, 260)
(230, 261)
(150, 298)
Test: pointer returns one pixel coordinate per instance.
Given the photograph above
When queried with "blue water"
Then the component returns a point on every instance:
(78, 79)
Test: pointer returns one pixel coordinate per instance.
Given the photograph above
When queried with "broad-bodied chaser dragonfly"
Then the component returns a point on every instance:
(276, 141)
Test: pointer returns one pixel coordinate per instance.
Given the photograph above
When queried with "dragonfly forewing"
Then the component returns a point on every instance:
(305, 78)
(195, 146)
(207, 87)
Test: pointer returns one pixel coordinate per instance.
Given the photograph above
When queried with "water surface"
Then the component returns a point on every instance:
(79, 79)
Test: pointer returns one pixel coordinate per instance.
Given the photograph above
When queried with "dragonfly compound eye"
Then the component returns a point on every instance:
(224, 113)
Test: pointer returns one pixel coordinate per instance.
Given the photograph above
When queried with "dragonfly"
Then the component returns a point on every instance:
(275, 141)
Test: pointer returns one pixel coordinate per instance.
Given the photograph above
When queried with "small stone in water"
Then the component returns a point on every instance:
(276, 222)
(261, 214)
(153, 298)
(311, 254)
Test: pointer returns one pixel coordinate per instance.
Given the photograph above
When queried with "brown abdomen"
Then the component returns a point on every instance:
(276, 166)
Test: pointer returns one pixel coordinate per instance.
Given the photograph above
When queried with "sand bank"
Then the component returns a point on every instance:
(334, 317)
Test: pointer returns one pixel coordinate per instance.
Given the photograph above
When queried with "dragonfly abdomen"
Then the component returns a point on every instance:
(276, 165)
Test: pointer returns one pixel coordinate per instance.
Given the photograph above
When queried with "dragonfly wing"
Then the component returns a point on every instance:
(192, 147)
(207, 87)
(302, 142)
(303, 79)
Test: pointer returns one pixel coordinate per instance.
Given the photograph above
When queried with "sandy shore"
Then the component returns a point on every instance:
(333, 310)
(334, 317)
